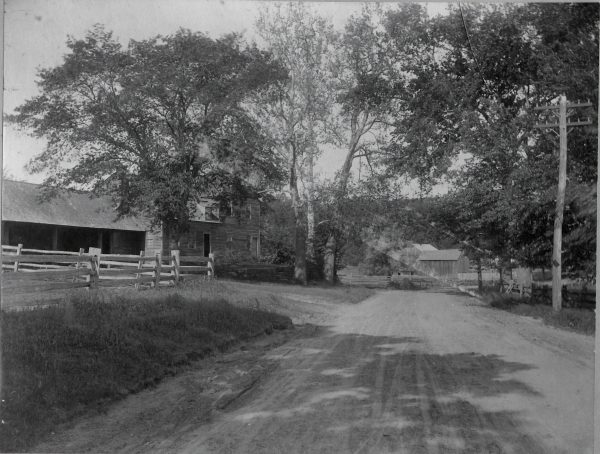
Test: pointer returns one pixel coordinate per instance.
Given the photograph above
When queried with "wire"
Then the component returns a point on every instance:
(470, 44)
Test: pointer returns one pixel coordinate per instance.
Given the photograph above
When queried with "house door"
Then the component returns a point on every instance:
(206, 244)
(254, 245)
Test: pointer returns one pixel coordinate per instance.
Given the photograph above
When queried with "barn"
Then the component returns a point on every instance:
(410, 254)
(444, 263)
(74, 220)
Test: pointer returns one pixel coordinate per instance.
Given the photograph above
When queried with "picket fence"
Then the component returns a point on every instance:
(36, 271)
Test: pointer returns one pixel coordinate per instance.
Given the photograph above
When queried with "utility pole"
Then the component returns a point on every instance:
(563, 123)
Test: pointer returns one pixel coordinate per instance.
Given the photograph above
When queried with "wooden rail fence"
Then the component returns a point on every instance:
(36, 271)
(386, 281)
(583, 298)
(486, 276)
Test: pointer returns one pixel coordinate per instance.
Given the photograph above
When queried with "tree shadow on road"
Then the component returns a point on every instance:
(386, 394)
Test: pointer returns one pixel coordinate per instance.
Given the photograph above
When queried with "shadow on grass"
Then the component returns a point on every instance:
(579, 320)
(385, 394)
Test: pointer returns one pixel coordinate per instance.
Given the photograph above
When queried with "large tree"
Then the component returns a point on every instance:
(156, 124)
(372, 72)
(474, 99)
(296, 111)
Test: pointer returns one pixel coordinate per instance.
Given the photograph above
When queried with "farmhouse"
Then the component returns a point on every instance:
(446, 263)
(75, 220)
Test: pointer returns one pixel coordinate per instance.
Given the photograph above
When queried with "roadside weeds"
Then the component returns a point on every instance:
(60, 361)
(572, 319)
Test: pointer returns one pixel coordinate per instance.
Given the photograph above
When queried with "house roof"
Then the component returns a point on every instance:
(21, 203)
(440, 255)
(424, 247)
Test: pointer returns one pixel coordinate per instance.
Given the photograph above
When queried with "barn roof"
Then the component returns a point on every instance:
(21, 203)
(424, 247)
(440, 255)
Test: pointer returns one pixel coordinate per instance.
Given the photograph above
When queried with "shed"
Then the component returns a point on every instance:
(69, 221)
(445, 263)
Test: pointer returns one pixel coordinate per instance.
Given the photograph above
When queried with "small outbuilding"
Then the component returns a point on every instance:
(444, 263)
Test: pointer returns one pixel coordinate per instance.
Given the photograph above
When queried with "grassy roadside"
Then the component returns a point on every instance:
(579, 320)
(61, 361)
(274, 296)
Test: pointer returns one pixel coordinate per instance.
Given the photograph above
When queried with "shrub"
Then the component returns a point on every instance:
(404, 284)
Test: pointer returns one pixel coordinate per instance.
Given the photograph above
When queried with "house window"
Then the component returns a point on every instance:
(206, 244)
(211, 213)
(207, 211)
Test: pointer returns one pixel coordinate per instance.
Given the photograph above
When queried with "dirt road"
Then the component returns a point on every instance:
(406, 372)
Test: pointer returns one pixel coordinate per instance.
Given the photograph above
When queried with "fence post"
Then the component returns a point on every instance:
(16, 265)
(139, 273)
(93, 277)
(78, 264)
(157, 270)
(211, 265)
(175, 266)
(95, 251)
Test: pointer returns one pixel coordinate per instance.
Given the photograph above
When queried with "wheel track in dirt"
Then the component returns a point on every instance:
(404, 372)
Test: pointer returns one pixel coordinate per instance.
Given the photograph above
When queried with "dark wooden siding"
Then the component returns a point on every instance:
(69, 238)
(223, 237)
(237, 232)
(126, 242)
(463, 264)
(446, 268)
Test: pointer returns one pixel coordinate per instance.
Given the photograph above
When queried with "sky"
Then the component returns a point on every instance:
(35, 32)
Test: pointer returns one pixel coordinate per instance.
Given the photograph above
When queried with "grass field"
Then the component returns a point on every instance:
(97, 347)
(579, 320)
(93, 348)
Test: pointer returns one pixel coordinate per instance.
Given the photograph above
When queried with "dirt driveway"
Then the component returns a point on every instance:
(404, 372)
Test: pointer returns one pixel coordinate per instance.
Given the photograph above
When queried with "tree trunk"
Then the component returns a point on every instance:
(300, 226)
(479, 277)
(310, 212)
(329, 265)
(300, 275)
(329, 258)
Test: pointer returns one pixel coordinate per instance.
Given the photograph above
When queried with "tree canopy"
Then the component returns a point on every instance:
(473, 100)
(447, 98)
(156, 124)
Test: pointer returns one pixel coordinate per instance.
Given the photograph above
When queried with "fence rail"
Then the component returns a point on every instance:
(32, 271)
(584, 298)
(385, 281)
(486, 276)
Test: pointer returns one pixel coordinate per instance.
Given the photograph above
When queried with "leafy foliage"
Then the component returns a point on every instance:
(155, 125)
(461, 105)
(297, 111)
